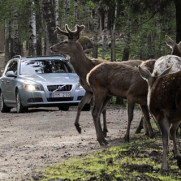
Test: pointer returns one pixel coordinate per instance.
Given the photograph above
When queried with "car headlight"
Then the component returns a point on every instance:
(80, 86)
(32, 87)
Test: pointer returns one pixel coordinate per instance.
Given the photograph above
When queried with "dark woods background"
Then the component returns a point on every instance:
(115, 29)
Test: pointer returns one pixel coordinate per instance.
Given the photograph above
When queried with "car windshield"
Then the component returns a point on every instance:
(29, 67)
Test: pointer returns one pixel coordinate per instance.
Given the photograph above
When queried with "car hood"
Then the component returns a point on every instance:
(51, 78)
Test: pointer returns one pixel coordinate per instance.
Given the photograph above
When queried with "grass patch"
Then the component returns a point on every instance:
(137, 160)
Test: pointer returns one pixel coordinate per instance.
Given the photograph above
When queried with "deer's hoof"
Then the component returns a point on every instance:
(105, 133)
(179, 161)
(78, 127)
(126, 139)
(103, 142)
(151, 135)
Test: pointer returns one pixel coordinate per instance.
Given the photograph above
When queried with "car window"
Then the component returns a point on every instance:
(12, 67)
(29, 67)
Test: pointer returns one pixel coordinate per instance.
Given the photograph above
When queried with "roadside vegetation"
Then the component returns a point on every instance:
(138, 160)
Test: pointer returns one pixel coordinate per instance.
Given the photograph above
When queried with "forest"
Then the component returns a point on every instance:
(115, 30)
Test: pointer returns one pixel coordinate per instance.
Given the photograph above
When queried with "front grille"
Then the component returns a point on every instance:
(35, 99)
(52, 88)
(60, 99)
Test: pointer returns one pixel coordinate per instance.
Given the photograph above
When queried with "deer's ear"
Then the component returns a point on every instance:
(169, 41)
(179, 44)
(145, 73)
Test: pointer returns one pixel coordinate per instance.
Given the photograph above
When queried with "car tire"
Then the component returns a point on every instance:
(64, 107)
(19, 107)
(3, 107)
(87, 107)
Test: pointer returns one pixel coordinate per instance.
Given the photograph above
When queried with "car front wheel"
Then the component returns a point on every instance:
(19, 107)
(64, 107)
(3, 106)
(87, 107)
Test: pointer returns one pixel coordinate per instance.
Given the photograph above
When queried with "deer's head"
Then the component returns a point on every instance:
(176, 48)
(71, 45)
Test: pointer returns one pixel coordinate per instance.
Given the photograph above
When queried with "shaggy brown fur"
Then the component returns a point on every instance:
(164, 97)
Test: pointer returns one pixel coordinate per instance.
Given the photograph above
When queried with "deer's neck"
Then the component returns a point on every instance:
(81, 63)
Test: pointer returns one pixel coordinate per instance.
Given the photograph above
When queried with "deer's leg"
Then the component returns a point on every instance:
(105, 130)
(173, 135)
(177, 132)
(140, 126)
(147, 119)
(164, 128)
(86, 99)
(130, 118)
(99, 100)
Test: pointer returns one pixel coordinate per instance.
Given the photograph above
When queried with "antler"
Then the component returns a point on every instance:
(73, 35)
(59, 31)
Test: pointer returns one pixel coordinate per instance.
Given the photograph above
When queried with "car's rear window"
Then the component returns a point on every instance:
(29, 67)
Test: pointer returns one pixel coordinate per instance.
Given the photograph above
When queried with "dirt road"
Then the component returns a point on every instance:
(45, 136)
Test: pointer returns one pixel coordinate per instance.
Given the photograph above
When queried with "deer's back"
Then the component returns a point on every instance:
(118, 79)
(166, 95)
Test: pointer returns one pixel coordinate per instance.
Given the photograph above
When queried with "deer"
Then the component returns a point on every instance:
(163, 63)
(164, 102)
(116, 79)
(82, 65)
(176, 48)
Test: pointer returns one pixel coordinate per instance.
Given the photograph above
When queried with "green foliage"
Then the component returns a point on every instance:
(86, 42)
(138, 160)
(143, 23)
(145, 29)
(91, 4)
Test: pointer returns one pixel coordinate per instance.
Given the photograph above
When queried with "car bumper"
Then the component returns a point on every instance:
(41, 98)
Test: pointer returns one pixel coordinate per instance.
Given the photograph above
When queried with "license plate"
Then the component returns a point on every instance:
(59, 94)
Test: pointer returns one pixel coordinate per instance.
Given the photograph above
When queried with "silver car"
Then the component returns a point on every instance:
(38, 82)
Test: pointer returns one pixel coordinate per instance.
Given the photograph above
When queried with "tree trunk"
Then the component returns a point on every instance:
(32, 31)
(7, 40)
(104, 37)
(49, 16)
(67, 11)
(125, 54)
(39, 19)
(113, 52)
(15, 46)
(75, 12)
(95, 32)
(57, 12)
(178, 20)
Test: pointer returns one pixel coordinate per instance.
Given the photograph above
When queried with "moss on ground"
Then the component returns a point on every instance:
(138, 160)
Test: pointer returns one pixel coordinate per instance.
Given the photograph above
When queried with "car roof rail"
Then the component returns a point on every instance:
(17, 56)
(56, 55)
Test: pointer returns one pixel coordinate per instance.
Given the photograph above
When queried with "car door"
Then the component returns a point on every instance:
(8, 83)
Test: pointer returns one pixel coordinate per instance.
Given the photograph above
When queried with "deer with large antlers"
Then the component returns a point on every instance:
(82, 65)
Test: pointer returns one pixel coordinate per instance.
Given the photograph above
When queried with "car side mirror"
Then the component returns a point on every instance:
(10, 74)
